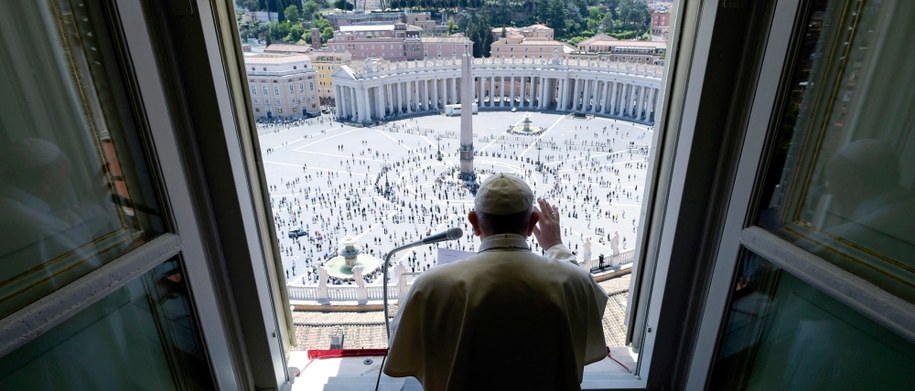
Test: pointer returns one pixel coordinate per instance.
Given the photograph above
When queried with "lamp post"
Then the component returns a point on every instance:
(438, 141)
(539, 164)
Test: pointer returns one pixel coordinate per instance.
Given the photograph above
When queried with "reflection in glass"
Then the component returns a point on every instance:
(74, 190)
(845, 189)
(783, 334)
(141, 337)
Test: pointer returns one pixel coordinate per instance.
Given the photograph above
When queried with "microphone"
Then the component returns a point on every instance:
(449, 234)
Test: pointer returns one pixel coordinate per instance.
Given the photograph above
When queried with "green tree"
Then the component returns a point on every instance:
(327, 33)
(296, 31)
(309, 9)
(634, 15)
(606, 23)
(476, 27)
(292, 14)
(553, 13)
(344, 5)
(250, 5)
(277, 31)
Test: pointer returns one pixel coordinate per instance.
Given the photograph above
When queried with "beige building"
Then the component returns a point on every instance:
(608, 48)
(287, 48)
(282, 86)
(515, 46)
(443, 47)
(327, 62)
(393, 42)
(532, 31)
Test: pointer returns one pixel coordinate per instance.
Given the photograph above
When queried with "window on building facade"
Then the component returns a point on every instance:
(276, 90)
(253, 90)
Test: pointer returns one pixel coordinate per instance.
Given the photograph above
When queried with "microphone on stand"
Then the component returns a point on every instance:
(448, 234)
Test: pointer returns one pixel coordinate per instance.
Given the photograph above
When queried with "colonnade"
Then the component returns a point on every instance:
(377, 97)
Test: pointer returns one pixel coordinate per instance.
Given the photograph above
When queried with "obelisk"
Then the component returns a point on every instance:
(467, 113)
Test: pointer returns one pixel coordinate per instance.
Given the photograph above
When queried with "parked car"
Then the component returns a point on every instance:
(297, 232)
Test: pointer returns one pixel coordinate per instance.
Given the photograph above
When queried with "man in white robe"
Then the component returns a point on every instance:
(505, 318)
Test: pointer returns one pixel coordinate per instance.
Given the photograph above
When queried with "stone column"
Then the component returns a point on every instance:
(512, 95)
(365, 107)
(435, 93)
(337, 102)
(481, 96)
(502, 91)
(544, 89)
(575, 94)
(638, 102)
(595, 95)
(532, 91)
(427, 104)
(389, 93)
(605, 97)
(379, 102)
(492, 91)
(341, 102)
(653, 104)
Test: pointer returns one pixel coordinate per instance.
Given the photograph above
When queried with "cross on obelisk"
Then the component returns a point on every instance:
(467, 113)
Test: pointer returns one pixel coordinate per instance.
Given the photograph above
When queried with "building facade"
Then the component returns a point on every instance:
(442, 47)
(520, 47)
(532, 31)
(282, 86)
(660, 22)
(608, 48)
(339, 20)
(326, 63)
(392, 42)
(372, 91)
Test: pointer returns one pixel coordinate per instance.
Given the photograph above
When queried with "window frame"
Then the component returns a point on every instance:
(740, 233)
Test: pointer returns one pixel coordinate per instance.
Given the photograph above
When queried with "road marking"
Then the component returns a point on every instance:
(541, 135)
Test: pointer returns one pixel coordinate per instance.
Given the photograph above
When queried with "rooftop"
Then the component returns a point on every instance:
(287, 48)
(274, 59)
(610, 41)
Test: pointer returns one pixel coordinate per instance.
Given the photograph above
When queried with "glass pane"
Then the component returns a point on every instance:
(74, 190)
(845, 190)
(783, 334)
(143, 336)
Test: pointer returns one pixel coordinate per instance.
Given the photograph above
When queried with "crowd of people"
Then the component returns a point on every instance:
(389, 195)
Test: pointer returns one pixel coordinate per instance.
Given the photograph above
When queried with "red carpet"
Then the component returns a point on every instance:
(336, 353)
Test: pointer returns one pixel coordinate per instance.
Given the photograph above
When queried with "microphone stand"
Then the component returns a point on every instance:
(384, 283)
(384, 298)
(451, 234)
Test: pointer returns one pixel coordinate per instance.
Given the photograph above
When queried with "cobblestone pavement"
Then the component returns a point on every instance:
(360, 330)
